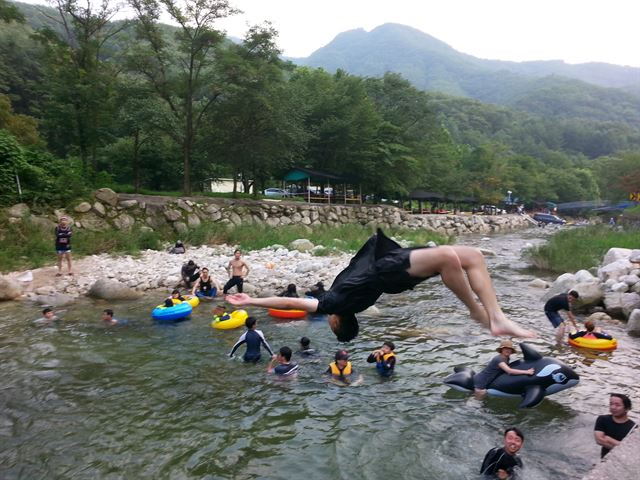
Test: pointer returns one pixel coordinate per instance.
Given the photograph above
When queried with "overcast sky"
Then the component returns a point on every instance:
(572, 30)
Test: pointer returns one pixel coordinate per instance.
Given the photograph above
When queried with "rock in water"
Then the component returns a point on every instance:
(109, 289)
(9, 289)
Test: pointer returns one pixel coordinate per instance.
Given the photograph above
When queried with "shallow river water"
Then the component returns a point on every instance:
(164, 401)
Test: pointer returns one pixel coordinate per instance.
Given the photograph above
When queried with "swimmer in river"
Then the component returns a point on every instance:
(48, 318)
(383, 266)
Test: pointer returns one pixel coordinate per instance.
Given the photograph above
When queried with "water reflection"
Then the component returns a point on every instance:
(156, 400)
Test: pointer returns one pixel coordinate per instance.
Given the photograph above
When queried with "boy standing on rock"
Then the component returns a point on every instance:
(63, 244)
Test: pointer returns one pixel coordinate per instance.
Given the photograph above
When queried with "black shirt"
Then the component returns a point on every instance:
(610, 428)
(557, 303)
(380, 266)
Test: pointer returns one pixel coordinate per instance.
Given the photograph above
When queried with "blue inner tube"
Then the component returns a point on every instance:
(177, 312)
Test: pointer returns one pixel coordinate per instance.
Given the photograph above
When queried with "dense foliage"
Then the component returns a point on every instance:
(138, 105)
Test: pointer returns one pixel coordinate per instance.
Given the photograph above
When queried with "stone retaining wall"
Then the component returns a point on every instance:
(124, 211)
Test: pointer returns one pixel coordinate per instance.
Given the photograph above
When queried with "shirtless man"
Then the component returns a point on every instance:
(238, 270)
(382, 266)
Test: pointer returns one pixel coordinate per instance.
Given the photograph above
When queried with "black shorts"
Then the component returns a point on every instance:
(392, 272)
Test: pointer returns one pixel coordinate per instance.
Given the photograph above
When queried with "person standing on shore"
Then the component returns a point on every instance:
(238, 271)
(610, 430)
(383, 266)
(63, 244)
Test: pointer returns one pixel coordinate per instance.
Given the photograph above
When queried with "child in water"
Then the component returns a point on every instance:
(305, 348)
(341, 367)
(284, 367)
(497, 365)
(175, 295)
(48, 318)
(254, 340)
(220, 313)
(384, 358)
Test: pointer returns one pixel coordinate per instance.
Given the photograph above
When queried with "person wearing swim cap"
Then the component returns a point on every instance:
(383, 266)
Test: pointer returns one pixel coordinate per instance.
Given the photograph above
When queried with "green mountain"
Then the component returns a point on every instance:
(593, 91)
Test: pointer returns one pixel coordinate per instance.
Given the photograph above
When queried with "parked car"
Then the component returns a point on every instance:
(548, 218)
(276, 192)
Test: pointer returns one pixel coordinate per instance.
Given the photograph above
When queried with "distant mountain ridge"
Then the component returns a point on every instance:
(592, 90)
(409, 41)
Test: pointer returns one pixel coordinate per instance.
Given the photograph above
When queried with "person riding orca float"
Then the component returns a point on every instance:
(383, 266)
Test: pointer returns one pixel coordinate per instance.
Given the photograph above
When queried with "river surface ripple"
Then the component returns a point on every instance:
(164, 401)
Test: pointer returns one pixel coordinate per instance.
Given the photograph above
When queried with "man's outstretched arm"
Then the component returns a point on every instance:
(244, 300)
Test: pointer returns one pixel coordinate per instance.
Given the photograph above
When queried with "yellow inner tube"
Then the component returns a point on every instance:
(594, 343)
(190, 299)
(238, 317)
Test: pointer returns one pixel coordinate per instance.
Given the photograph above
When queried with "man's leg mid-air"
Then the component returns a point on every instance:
(451, 262)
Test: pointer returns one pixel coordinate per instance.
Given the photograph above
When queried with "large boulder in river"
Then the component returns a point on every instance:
(615, 254)
(591, 293)
(615, 269)
(53, 300)
(630, 302)
(633, 325)
(562, 284)
(109, 289)
(9, 289)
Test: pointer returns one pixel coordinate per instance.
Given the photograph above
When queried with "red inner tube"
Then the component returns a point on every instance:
(275, 312)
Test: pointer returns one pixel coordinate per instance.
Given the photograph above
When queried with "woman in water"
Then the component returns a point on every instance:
(383, 266)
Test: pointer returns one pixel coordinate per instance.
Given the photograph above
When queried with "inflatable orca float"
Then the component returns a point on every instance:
(550, 376)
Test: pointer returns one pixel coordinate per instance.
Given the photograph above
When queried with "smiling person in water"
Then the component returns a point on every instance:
(383, 266)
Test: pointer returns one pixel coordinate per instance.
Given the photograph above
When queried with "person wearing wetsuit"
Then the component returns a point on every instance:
(384, 358)
(63, 244)
(501, 462)
(254, 340)
(383, 266)
(284, 368)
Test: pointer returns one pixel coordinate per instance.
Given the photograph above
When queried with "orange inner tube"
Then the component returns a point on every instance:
(275, 312)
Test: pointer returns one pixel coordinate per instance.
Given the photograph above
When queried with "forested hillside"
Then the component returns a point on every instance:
(134, 105)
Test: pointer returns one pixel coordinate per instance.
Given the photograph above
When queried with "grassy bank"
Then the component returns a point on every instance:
(580, 248)
(25, 245)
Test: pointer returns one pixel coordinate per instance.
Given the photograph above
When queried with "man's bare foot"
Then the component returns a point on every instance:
(505, 327)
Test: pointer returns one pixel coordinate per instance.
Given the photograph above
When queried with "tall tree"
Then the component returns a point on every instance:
(182, 74)
(80, 82)
(258, 127)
